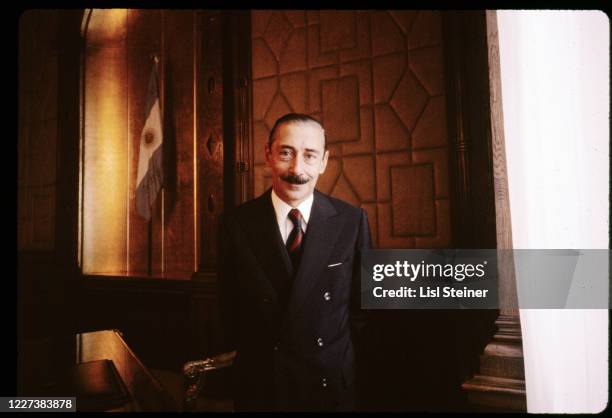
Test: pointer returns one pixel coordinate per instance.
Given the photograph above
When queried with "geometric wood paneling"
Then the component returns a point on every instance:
(387, 238)
(353, 169)
(338, 29)
(279, 106)
(442, 236)
(296, 17)
(412, 200)
(427, 65)
(375, 79)
(388, 71)
(365, 145)
(387, 37)
(346, 191)
(316, 77)
(294, 62)
(264, 91)
(404, 18)
(362, 49)
(438, 157)
(315, 57)
(277, 33)
(341, 109)
(384, 163)
(362, 70)
(327, 182)
(429, 132)
(259, 22)
(293, 89)
(263, 60)
(391, 133)
(409, 100)
(425, 30)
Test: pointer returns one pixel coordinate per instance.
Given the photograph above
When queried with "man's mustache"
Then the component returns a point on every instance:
(295, 179)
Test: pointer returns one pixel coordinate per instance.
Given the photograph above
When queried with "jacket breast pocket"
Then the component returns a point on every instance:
(339, 264)
(336, 270)
(337, 279)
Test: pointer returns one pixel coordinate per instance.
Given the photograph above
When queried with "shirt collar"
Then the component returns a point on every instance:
(281, 208)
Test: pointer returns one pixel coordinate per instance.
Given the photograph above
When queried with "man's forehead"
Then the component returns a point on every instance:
(301, 130)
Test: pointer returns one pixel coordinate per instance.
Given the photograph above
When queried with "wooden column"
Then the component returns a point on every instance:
(210, 150)
(222, 67)
(499, 385)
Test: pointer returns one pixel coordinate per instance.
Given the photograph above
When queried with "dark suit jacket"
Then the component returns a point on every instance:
(295, 332)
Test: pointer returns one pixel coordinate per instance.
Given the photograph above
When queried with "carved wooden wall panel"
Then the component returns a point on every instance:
(179, 233)
(375, 79)
(210, 132)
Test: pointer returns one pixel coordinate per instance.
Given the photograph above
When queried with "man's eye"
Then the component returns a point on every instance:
(310, 157)
(285, 153)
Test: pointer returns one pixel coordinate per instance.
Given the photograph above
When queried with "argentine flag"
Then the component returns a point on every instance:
(150, 169)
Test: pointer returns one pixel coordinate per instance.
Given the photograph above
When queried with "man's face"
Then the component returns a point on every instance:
(297, 157)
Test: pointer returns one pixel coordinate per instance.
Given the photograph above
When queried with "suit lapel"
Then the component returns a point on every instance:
(321, 235)
(267, 243)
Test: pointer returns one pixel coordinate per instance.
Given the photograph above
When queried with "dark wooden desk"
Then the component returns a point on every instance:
(41, 361)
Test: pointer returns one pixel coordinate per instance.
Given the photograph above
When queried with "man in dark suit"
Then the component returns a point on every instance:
(289, 282)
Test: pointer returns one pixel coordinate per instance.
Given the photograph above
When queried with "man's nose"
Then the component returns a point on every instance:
(297, 165)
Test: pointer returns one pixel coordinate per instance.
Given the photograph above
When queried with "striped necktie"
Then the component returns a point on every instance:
(294, 242)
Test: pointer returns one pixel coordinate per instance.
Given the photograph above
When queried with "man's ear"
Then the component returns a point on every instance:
(324, 161)
(268, 153)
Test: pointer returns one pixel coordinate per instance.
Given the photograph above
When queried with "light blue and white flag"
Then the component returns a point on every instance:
(150, 168)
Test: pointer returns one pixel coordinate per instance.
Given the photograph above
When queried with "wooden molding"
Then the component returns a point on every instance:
(500, 385)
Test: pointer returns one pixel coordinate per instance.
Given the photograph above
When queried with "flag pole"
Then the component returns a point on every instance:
(150, 226)
(163, 188)
(150, 247)
(162, 231)
(150, 168)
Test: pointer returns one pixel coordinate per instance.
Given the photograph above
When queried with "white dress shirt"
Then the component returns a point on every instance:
(282, 210)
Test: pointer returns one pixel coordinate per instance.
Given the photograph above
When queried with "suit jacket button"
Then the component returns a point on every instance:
(324, 382)
(320, 342)
(326, 296)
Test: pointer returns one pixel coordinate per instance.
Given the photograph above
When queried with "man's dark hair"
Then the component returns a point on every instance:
(294, 118)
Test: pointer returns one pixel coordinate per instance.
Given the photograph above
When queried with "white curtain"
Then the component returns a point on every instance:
(555, 89)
